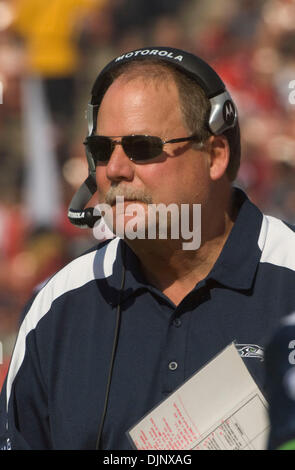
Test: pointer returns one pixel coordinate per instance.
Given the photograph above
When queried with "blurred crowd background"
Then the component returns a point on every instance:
(50, 55)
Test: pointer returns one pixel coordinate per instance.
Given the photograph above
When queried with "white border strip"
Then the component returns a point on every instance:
(94, 265)
(277, 242)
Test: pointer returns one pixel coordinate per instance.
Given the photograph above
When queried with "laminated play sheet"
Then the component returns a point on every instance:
(219, 407)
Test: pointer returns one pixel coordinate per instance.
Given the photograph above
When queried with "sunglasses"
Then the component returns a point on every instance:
(139, 148)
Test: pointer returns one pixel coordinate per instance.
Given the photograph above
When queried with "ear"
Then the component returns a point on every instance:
(219, 156)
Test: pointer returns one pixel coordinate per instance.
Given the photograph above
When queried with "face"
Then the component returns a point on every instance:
(179, 175)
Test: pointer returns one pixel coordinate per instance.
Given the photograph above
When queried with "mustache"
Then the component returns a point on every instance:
(131, 194)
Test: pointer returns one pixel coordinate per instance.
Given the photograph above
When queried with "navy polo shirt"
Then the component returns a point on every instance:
(54, 394)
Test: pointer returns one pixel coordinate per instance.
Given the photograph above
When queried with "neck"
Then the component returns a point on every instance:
(176, 271)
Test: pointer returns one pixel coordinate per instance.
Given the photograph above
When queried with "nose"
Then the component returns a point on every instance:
(119, 167)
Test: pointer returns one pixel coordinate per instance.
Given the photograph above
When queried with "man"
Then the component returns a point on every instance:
(121, 327)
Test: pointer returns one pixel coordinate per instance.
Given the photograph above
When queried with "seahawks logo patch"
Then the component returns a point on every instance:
(250, 350)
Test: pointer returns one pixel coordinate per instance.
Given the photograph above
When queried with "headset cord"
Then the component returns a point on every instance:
(115, 343)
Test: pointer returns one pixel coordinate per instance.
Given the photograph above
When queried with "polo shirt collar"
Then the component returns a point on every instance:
(128, 265)
(235, 267)
(238, 261)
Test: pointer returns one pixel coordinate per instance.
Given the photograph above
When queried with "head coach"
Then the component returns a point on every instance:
(118, 329)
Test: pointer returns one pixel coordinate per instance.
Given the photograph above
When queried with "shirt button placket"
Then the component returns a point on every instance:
(175, 352)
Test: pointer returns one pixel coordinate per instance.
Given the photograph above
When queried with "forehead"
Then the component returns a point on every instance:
(133, 101)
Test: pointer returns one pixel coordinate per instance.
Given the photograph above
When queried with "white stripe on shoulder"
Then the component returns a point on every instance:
(277, 243)
(97, 264)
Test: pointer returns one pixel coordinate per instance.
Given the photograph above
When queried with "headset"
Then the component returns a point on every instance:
(223, 112)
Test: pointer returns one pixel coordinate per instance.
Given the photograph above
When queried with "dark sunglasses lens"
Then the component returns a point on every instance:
(141, 147)
(100, 148)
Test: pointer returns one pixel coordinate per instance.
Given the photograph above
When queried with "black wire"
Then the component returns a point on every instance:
(115, 343)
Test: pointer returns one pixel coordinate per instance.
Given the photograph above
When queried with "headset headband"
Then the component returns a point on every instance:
(186, 62)
(223, 112)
